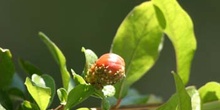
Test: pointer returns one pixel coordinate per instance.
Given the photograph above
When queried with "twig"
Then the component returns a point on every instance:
(60, 107)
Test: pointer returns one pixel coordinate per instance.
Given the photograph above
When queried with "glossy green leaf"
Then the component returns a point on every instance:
(184, 99)
(210, 92)
(90, 57)
(29, 68)
(195, 98)
(179, 27)
(26, 105)
(40, 93)
(77, 78)
(62, 95)
(60, 59)
(139, 41)
(7, 69)
(49, 81)
(79, 94)
(214, 105)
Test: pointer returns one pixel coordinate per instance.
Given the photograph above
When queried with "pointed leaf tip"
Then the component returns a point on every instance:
(59, 58)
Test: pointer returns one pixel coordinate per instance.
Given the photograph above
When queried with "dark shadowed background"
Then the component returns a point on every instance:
(72, 24)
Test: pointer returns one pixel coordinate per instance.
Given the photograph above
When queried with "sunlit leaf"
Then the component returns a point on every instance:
(60, 59)
(139, 41)
(210, 92)
(39, 92)
(78, 94)
(214, 105)
(77, 78)
(7, 69)
(26, 105)
(49, 81)
(38, 80)
(1, 107)
(90, 57)
(195, 98)
(184, 99)
(62, 95)
(180, 100)
(84, 108)
(171, 104)
(179, 27)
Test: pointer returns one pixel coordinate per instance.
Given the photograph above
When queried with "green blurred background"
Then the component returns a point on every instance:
(72, 24)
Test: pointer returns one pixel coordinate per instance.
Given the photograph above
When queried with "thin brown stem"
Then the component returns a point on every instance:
(60, 107)
(135, 107)
(117, 105)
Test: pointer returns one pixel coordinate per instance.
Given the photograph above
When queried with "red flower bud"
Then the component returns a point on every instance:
(108, 70)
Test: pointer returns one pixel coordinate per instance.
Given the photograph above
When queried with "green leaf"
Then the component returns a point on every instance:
(180, 100)
(210, 92)
(16, 93)
(195, 98)
(60, 59)
(171, 104)
(38, 80)
(77, 78)
(184, 99)
(5, 100)
(138, 40)
(105, 104)
(26, 105)
(49, 81)
(79, 94)
(40, 93)
(7, 69)
(1, 107)
(29, 68)
(62, 95)
(91, 58)
(179, 27)
(214, 105)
